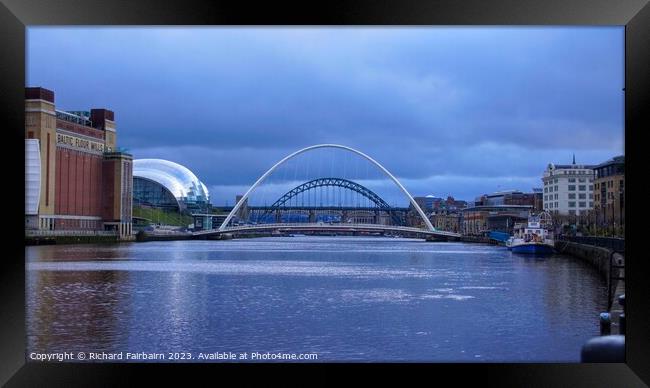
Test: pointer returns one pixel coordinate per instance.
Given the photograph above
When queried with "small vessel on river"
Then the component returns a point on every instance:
(535, 237)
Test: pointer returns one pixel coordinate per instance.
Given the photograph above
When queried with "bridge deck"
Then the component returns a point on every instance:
(325, 227)
(329, 208)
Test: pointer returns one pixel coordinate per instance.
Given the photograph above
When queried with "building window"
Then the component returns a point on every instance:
(591, 204)
(591, 180)
(572, 204)
(550, 189)
(572, 187)
(572, 180)
(555, 206)
(555, 180)
(591, 187)
(555, 188)
(582, 187)
(582, 204)
(572, 212)
(545, 189)
(556, 196)
(591, 196)
(572, 196)
(581, 180)
(582, 196)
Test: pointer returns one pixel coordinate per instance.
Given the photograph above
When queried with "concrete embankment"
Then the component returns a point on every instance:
(144, 237)
(56, 240)
(478, 239)
(595, 256)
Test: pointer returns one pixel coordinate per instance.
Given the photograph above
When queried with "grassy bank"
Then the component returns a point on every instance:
(157, 216)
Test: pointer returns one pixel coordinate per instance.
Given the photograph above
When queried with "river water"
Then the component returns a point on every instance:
(342, 298)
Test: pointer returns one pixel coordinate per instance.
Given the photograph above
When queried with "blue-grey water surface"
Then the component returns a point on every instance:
(343, 298)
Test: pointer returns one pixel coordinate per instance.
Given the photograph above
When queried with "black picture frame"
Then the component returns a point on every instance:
(15, 15)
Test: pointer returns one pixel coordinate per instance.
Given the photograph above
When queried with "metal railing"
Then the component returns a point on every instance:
(615, 244)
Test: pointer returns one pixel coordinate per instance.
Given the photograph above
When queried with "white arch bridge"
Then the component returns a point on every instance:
(428, 231)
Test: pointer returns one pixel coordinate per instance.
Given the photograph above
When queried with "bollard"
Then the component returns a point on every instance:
(605, 324)
(621, 324)
(609, 348)
(621, 301)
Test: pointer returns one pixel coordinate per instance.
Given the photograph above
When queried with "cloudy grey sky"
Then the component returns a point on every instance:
(449, 111)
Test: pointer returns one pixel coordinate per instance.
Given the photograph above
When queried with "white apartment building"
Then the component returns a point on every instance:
(568, 188)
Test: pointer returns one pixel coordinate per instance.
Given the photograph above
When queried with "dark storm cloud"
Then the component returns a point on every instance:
(459, 109)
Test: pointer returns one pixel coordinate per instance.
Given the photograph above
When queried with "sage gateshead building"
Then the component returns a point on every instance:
(168, 186)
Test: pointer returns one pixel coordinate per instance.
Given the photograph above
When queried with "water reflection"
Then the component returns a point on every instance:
(68, 309)
(346, 299)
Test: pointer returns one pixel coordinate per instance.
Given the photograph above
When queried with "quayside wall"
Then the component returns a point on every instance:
(597, 257)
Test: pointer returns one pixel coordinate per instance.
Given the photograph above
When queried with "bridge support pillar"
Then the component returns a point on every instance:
(312, 216)
(278, 217)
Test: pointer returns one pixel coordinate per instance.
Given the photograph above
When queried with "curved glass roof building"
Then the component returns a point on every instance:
(165, 184)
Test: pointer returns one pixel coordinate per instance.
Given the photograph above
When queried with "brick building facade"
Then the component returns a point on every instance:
(81, 173)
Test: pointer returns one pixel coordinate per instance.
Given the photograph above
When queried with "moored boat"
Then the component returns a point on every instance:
(534, 238)
(533, 247)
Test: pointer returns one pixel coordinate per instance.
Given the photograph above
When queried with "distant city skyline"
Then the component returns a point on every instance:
(448, 110)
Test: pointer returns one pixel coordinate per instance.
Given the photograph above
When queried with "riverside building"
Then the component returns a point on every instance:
(75, 177)
(568, 189)
(609, 192)
(480, 219)
(512, 197)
